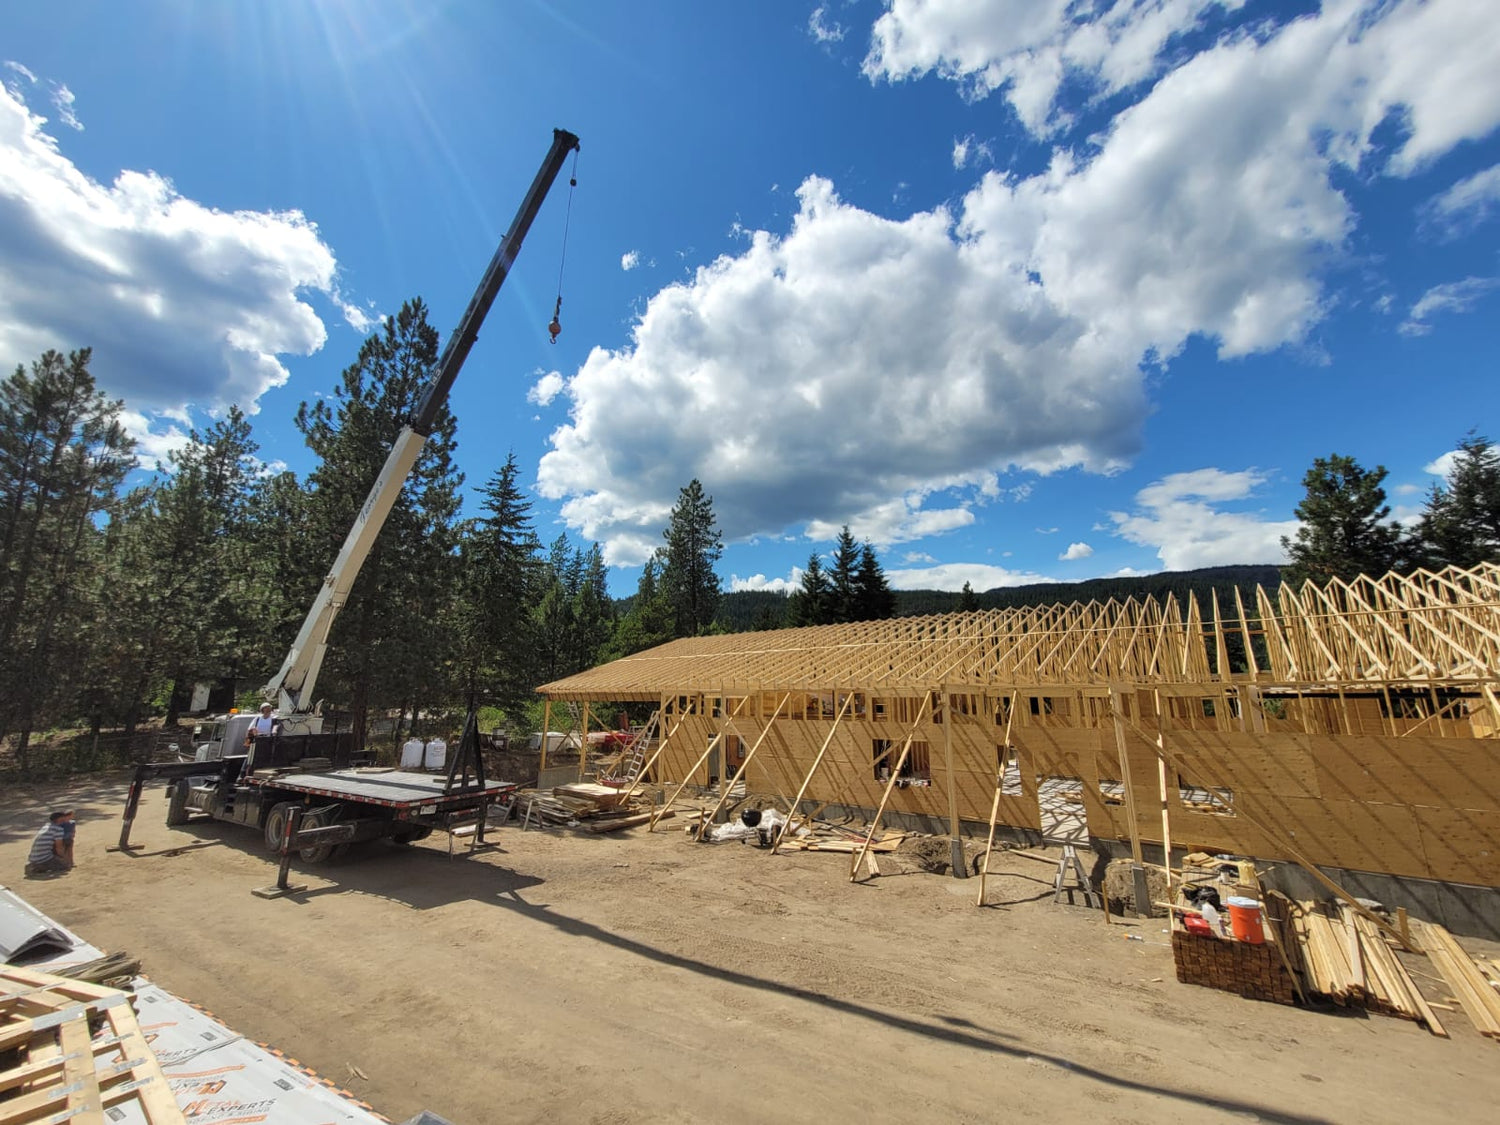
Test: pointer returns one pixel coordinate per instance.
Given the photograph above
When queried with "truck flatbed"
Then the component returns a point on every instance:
(401, 789)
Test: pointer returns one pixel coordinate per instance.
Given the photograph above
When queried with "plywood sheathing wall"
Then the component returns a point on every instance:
(1355, 723)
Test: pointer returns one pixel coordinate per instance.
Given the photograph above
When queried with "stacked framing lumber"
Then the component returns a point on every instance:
(78, 1052)
(1352, 725)
(1480, 1002)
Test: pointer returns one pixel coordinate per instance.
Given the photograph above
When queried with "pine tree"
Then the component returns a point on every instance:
(1341, 534)
(1460, 525)
(967, 602)
(693, 548)
(492, 613)
(813, 603)
(844, 578)
(63, 456)
(387, 646)
(649, 622)
(874, 600)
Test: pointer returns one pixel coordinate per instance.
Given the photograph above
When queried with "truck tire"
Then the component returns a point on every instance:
(276, 824)
(318, 853)
(177, 808)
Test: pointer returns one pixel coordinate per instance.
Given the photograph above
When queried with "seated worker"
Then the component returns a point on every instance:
(52, 849)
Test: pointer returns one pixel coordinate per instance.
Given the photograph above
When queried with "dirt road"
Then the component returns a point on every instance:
(639, 978)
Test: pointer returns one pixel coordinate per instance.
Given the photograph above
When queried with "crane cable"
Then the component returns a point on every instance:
(555, 328)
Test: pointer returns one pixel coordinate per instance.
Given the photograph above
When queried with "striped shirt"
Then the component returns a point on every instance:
(41, 847)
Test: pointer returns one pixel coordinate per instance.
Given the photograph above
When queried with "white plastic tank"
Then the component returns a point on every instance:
(411, 754)
(437, 754)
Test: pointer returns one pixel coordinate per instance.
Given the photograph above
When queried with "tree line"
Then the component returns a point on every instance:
(1346, 530)
(116, 597)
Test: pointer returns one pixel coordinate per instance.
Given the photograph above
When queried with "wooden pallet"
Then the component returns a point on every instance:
(73, 1050)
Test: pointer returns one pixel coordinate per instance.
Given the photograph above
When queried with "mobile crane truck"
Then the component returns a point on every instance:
(313, 791)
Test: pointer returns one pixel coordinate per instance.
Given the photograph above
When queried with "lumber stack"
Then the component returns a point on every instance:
(1481, 1003)
(596, 808)
(1256, 972)
(74, 1051)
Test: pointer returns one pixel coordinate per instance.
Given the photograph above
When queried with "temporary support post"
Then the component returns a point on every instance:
(288, 834)
(955, 841)
(989, 844)
(728, 786)
(713, 744)
(651, 761)
(791, 814)
(1161, 781)
(583, 744)
(1137, 861)
(546, 728)
(889, 787)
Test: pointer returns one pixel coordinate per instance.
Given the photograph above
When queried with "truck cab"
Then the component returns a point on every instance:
(213, 736)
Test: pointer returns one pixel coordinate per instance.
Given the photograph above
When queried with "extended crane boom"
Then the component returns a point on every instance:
(293, 685)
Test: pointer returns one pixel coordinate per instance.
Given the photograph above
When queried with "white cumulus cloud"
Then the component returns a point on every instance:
(1183, 517)
(786, 585)
(184, 305)
(952, 576)
(629, 260)
(545, 389)
(1009, 332)
(1076, 551)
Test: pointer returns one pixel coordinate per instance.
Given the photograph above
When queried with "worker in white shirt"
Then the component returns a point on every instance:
(264, 724)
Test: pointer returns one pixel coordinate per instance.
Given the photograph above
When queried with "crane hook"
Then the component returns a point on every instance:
(555, 328)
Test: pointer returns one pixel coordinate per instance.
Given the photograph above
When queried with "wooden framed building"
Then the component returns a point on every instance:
(1354, 725)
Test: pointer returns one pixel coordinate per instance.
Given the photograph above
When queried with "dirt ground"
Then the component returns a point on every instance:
(640, 978)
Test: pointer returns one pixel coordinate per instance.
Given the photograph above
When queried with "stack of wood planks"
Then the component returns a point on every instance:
(1255, 971)
(1347, 961)
(1480, 1001)
(72, 1050)
(583, 805)
(827, 839)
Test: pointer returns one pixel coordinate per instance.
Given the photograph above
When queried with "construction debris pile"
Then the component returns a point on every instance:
(585, 806)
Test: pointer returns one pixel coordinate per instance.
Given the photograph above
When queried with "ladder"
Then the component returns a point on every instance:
(634, 756)
(1071, 865)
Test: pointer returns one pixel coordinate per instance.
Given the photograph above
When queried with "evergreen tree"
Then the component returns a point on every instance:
(63, 456)
(845, 579)
(492, 615)
(813, 603)
(386, 648)
(1341, 534)
(693, 548)
(649, 622)
(967, 602)
(1460, 525)
(874, 599)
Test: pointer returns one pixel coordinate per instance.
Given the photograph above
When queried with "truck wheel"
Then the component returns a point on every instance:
(276, 823)
(177, 808)
(318, 853)
(412, 835)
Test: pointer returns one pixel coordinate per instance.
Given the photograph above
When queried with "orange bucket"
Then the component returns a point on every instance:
(1245, 920)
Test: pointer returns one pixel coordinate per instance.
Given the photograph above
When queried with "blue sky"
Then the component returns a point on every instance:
(1018, 289)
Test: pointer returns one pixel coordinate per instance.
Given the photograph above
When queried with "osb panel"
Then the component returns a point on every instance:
(1436, 772)
(1267, 763)
(1461, 845)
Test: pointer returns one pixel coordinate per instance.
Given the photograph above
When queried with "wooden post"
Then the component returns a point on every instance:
(728, 785)
(956, 843)
(583, 744)
(1161, 779)
(890, 786)
(989, 844)
(1137, 866)
(806, 781)
(546, 726)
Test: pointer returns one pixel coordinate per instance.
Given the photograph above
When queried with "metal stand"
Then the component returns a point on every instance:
(1071, 864)
(288, 833)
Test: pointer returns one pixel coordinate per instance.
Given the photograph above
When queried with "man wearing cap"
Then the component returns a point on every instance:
(52, 848)
(264, 725)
